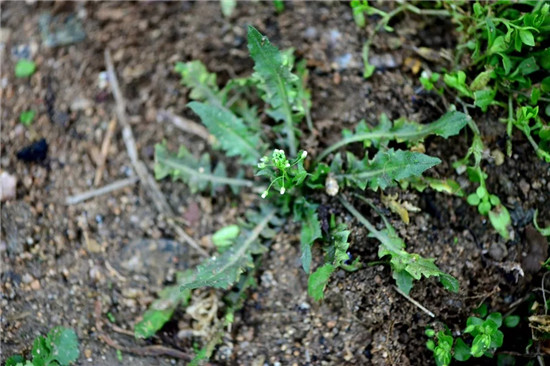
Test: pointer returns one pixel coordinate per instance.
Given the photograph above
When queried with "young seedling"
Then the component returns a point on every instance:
(59, 347)
(24, 68)
(481, 337)
(26, 118)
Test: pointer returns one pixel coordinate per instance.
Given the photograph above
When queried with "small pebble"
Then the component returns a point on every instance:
(35, 285)
(8, 183)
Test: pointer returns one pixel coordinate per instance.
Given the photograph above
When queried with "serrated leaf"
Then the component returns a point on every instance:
(448, 125)
(161, 310)
(63, 345)
(403, 280)
(224, 271)
(202, 83)
(386, 168)
(279, 82)
(230, 131)
(40, 351)
(403, 264)
(196, 173)
(306, 213)
(318, 281)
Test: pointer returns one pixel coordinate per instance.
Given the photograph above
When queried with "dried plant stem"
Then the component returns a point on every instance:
(145, 178)
(414, 302)
(104, 152)
(185, 125)
(72, 200)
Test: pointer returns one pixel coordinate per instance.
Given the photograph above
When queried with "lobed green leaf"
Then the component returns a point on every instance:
(224, 271)
(232, 134)
(279, 82)
(385, 169)
(198, 174)
(161, 310)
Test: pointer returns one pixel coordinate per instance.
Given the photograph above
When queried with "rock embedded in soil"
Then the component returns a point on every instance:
(8, 183)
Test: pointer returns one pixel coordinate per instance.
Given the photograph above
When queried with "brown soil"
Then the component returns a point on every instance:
(60, 263)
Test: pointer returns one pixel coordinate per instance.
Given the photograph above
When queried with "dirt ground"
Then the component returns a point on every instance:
(63, 264)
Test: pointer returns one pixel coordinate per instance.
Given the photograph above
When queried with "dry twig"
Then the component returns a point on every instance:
(414, 302)
(140, 351)
(185, 125)
(72, 200)
(104, 152)
(145, 178)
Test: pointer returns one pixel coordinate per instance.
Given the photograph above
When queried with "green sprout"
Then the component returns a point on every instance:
(24, 68)
(27, 117)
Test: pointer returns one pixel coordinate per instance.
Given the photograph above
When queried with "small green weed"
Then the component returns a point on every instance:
(27, 117)
(24, 68)
(58, 348)
(482, 337)
(501, 61)
(288, 186)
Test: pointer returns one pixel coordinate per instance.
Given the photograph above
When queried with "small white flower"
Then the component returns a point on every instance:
(283, 190)
(264, 195)
(287, 165)
(304, 154)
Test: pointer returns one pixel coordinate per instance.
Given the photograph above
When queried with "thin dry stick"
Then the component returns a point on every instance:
(184, 124)
(183, 235)
(140, 351)
(72, 200)
(544, 294)
(414, 302)
(146, 179)
(104, 152)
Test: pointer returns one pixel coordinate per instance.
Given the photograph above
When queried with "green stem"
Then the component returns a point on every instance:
(435, 12)
(509, 126)
(370, 227)
(288, 118)
(407, 135)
